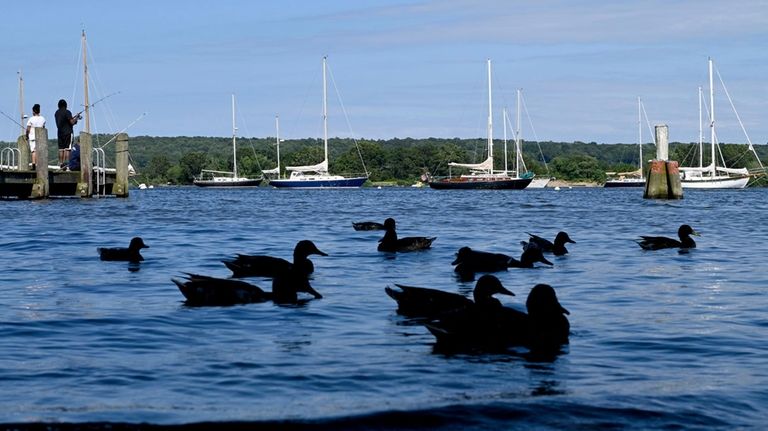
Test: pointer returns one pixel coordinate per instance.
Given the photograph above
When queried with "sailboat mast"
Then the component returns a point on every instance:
(85, 87)
(277, 142)
(701, 131)
(640, 132)
(712, 115)
(518, 146)
(21, 102)
(504, 121)
(325, 111)
(234, 139)
(490, 118)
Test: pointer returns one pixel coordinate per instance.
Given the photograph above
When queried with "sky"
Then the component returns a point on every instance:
(397, 69)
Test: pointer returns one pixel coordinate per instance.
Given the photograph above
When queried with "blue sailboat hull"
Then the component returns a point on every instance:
(319, 183)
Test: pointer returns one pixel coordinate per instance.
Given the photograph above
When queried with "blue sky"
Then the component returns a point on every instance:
(402, 68)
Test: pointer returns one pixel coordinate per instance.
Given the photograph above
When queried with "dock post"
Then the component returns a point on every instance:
(663, 179)
(24, 154)
(85, 186)
(41, 189)
(120, 188)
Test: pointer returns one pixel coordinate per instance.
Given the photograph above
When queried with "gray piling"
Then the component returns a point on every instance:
(40, 189)
(24, 154)
(85, 186)
(120, 188)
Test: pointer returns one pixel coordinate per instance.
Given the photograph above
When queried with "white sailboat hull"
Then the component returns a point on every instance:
(717, 182)
(539, 183)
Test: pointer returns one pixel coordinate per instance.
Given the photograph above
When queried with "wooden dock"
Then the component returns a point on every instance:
(19, 181)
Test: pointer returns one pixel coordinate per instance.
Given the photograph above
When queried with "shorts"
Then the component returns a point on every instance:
(31, 146)
(65, 142)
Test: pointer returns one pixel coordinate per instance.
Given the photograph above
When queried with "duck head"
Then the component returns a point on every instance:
(685, 231)
(563, 238)
(389, 224)
(306, 247)
(487, 286)
(532, 255)
(543, 300)
(462, 255)
(137, 244)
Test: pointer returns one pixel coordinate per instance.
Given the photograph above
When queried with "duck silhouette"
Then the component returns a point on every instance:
(368, 225)
(543, 328)
(468, 261)
(130, 254)
(244, 265)
(201, 290)
(422, 302)
(391, 243)
(660, 242)
(547, 246)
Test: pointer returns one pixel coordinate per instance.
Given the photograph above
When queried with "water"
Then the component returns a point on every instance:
(659, 339)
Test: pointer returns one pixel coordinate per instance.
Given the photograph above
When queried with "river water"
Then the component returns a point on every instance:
(658, 339)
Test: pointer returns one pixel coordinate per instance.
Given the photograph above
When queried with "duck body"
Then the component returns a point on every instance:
(244, 265)
(391, 243)
(661, 242)
(557, 247)
(202, 290)
(368, 225)
(427, 303)
(489, 325)
(130, 254)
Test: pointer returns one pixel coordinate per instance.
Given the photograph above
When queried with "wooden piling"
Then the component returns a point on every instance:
(663, 178)
(24, 154)
(85, 186)
(120, 188)
(40, 189)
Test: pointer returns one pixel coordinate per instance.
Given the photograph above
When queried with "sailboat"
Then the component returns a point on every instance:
(482, 175)
(317, 176)
(275, 171)
(210, 178)
(537, 182)
(634, 178)
(712, 176)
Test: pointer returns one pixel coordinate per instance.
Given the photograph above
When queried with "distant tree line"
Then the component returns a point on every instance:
(177, 160)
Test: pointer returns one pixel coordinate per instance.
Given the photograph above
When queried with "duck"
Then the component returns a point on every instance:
(368, 225)
(469, 261)
(660, 242)
(544, 328)
(244, 265)
(391, 243)
(557, 248)
(130, 254)
(427, 303)
(204, 290)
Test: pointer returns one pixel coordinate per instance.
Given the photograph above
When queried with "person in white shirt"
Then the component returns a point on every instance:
(36, 120)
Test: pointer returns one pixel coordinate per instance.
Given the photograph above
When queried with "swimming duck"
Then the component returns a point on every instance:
(659, 242)
(557, 248)
(391, 243)
(267, 266)
(429, 303)
(469, 261)
(543, 328)
(204, 290)
(368, 225)
(130, 254)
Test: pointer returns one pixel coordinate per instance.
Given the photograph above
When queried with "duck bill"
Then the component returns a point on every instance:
(309, 289)
(456, 261)
(504, 291)
(317, 251)
(562, 309)
(694, 233)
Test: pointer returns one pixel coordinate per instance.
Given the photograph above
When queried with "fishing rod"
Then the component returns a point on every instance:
(94, 103)
(11, 118)
(124, 129)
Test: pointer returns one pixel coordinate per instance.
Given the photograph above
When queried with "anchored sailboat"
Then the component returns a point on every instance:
(713, 176)
(317, 176)
(482, 175)
(210, 178)
(634, 178)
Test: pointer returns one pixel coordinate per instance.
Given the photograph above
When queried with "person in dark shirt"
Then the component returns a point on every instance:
(64, 123)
